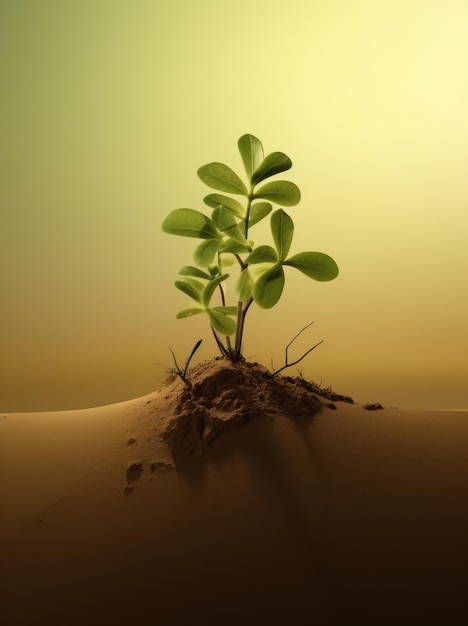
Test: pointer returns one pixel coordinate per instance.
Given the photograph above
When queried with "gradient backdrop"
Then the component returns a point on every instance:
(110, 106)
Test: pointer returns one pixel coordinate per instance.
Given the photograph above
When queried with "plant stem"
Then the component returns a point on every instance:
(223, 302)
(241, 262)
(219, 343)
(239, 330)
(241, 313)
(247, 213)
(241, 307)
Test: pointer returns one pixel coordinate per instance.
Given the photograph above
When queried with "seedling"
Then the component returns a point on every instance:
(226, 242)
(182, 373)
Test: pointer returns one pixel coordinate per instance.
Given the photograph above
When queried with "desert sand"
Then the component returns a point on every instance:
(227, 504)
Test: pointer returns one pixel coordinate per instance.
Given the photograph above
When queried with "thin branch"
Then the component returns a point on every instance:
(294, 338)
(177, 369)
(298, 360)
(240, 261)
(286, 362)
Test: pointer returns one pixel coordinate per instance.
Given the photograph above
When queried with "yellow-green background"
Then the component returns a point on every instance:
(110, 106)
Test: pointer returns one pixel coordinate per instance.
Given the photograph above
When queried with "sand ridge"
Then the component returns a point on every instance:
(334, 516)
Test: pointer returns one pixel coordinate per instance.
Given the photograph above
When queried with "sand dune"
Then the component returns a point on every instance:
(347, 516)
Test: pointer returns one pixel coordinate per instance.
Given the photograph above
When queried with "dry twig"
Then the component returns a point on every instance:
(286, 363)
(183, 372)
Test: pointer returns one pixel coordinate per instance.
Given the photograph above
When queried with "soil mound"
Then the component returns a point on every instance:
(221, 394)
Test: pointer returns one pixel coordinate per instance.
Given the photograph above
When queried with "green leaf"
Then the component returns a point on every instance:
(262, 254)
(223, 178)
(209, 290)
(235, 233)
(191, 287)
(280, 191)
(206, 252)
(228, 224)
(315, 265)
(227, 310)
(190, 223)
(234, 247)
(189, 270)
(223, 218)
(269, 287)
(244, 286)
(220, 322)
(282, 229)
(215, 200)
(258, 211)
(188, 313)
(273, 163)
(251, 151)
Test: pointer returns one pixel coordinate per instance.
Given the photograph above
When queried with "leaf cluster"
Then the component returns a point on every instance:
(225, 239)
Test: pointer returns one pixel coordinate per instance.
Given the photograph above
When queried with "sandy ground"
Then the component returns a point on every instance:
(345, 517)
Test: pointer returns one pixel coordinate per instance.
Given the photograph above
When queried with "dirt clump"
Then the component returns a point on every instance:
(221, 394)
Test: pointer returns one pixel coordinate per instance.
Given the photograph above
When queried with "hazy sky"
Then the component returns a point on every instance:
(108, 107)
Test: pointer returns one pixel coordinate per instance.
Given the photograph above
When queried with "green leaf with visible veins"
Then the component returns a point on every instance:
(220, 322)
(228, 224)
(227, 310)
(316, 265)
(258, 211)
(215, 200)
(251, 151)
(235, 233)
(188, 313)
(262, 254)
(223, 178)
(189, 270)
(223, 218)
(272, 164)
(282, 229)
(280, 191)
(208, 291)
(191, 287)
(206, 252)
(234, 247)
(244, 285)
(269, 287)
(190, 223)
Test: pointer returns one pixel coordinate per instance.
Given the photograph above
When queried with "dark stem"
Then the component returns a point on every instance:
(241, 307)
(221, 347)
(286, 363)
(247, 213)
(241, 313)
(241, 262)
(223, 301)
(189, 358)
(180, 372)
